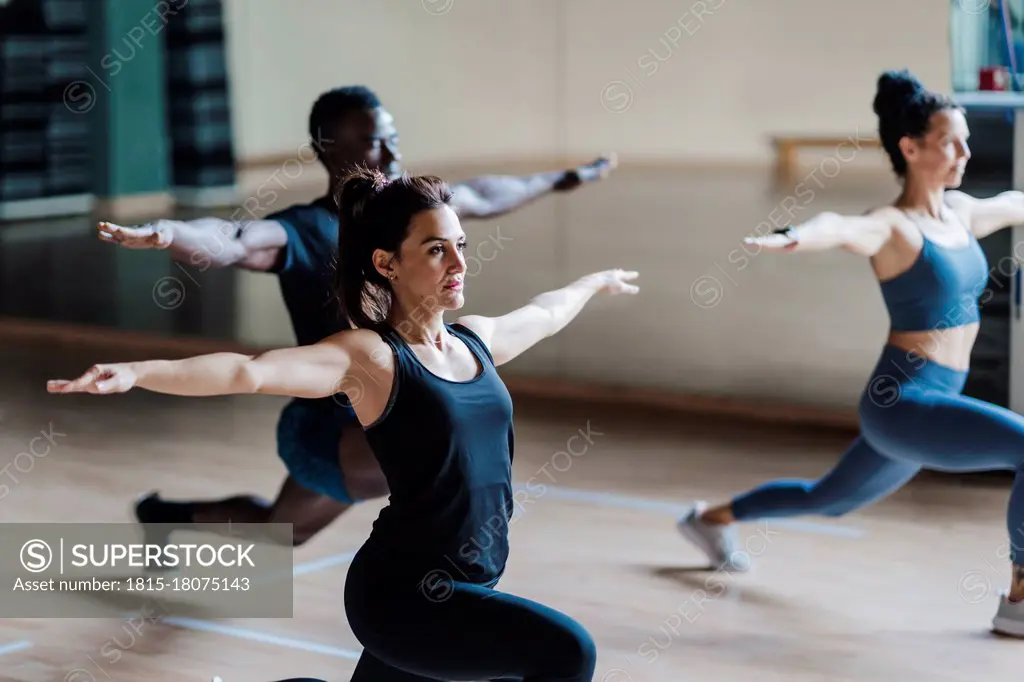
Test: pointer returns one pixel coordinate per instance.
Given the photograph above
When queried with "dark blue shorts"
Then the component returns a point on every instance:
(308, 434)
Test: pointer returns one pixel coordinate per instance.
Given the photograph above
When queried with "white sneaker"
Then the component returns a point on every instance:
(718, 542)
(1009, 619)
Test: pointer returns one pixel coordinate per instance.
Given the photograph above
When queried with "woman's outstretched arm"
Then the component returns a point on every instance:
(513, 333)
(863, 235)
(315, 371)
(990, 215)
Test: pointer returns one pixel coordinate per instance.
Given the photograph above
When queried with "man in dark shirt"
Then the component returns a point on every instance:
(330, 466)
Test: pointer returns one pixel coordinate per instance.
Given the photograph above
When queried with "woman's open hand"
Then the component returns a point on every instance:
(614, 282)
(777, 241)
(99, 379)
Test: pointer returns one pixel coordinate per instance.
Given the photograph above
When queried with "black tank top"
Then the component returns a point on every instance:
(446, 449)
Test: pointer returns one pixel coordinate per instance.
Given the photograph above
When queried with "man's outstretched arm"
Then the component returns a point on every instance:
(205, 242)
(489, 196)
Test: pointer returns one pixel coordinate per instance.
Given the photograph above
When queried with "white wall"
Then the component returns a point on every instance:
(508, 79)
(499, 80)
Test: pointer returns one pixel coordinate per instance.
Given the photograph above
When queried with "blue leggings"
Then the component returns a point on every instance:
(912, 416)
(423, 626)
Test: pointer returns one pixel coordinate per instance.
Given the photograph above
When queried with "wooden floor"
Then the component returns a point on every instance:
(903, 591)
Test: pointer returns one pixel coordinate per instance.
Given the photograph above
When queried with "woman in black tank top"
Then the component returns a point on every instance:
(420, 593)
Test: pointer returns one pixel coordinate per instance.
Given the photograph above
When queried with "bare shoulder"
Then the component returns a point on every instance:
(887, 214)
(868, 233)
(365, 348)
(354, 339)
(885, 221)
(479, 325)
(963, 205)
(958, 200)
(898, 225)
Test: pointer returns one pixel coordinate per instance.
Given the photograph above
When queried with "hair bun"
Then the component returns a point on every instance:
(895, 90)
(356, 189)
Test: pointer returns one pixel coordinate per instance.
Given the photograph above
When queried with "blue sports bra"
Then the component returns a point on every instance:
(940, 290)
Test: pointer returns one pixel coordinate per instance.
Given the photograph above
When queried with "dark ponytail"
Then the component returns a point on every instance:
(904, 108)
(374, 213)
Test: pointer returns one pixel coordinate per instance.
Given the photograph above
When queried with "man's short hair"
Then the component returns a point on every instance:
(334, 105)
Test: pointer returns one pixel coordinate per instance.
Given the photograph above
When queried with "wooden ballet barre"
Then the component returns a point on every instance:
(787, 149)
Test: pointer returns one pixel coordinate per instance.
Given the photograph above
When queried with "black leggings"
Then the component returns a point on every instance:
(424, 626)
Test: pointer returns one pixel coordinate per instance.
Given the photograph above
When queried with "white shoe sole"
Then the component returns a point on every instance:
(701, 542)
(1010, 627)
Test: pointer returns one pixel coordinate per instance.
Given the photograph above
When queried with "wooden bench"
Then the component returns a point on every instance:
(787, 148)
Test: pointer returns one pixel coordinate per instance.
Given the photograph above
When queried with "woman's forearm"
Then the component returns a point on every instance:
(823, 231)
(564, 304)
(203, 375)
(314, 371)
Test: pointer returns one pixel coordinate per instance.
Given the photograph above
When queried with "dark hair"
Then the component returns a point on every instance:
(904, 108)
(333, 105)
(374, 213)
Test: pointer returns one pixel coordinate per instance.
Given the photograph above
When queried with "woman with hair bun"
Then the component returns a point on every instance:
(924, 251)
(420, 592)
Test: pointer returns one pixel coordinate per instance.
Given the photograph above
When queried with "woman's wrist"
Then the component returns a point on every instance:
(790, 232)
(145, 370)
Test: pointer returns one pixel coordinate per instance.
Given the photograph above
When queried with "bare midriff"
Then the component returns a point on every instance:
(949, 347)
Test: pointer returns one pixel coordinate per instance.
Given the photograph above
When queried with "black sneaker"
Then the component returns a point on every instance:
(151, 509)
